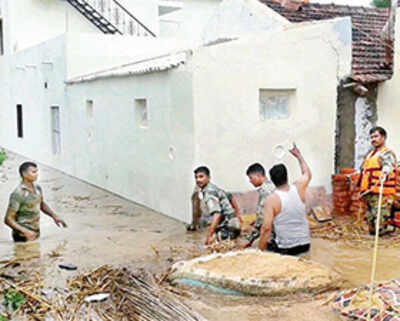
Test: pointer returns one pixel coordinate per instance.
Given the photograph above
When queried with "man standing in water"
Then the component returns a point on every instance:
(285, 211)
(379, 166)
(26, 202)
(258, 179)
(224, 225)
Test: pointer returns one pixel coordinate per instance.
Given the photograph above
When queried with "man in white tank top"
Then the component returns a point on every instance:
(285, 210)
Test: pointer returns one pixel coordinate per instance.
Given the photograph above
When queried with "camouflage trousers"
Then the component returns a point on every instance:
(228, 229)
(256, 231)
(372, 210)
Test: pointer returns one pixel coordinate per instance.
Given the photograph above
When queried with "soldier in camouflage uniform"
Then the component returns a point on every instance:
(372, 212)
(200, 214)
(224, 225)
(258, 179)
(26, 202)
(378, 166)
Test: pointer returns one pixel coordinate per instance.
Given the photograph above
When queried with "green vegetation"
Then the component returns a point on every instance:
(13, 298)
(3, 156)
(381, 3)
(3, 318)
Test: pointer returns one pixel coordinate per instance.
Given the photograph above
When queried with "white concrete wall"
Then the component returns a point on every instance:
(22, 78)
(91, 53)
(388, 98)
(120, 156)
(236, 18)
(144, 10)
(204, 21)
(229, 134)
(30, 22)
(207, 111)
(188, 23)
(129, 160)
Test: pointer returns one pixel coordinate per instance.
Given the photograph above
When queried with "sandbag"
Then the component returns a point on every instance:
(253, 272)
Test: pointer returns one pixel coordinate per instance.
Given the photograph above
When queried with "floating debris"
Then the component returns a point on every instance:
(351, 232)
(354, 303)
(68, 267)
(97, 297)
(322, 214)
(121, 295)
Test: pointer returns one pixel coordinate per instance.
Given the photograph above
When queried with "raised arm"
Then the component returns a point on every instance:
(305, 178)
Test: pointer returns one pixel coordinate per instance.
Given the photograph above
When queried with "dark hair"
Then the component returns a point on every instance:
(278, 175)
(24, 167)
(256, 168)
(378, 129)
(202, 169)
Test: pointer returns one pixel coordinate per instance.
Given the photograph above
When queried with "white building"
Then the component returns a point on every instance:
(136, 114)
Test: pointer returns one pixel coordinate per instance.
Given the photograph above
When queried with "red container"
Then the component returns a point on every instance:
(396, 219)
(347, 171)
(339, 177)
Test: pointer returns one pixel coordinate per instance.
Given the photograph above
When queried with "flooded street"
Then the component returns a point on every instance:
(106, 229)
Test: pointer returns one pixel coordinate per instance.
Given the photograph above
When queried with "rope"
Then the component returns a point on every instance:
(375, 253)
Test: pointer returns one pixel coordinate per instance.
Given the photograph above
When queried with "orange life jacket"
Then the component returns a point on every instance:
(372, 171)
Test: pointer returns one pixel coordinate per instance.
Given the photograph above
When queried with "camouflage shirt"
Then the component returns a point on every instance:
(267, 188)
(388, 161)
(27, 206)
(217, 201)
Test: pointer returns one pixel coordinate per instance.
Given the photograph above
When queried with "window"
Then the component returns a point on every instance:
(275, 104)
(55, 129)
(141, 113)
(20, 132)
(89, 115)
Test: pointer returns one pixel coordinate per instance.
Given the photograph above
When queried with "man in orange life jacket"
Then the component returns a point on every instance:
(378, 166)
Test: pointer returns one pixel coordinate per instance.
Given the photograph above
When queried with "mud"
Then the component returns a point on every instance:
(106, 229)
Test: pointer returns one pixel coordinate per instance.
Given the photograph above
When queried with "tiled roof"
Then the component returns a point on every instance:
(149, 65)
(368, 63)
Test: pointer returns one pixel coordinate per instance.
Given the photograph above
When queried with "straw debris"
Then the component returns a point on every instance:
(353, 233)
(132, 296)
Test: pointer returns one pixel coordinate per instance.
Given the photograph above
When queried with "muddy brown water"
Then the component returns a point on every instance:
(106, 229)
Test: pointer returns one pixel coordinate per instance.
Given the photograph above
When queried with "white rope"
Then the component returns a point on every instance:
(375, 253)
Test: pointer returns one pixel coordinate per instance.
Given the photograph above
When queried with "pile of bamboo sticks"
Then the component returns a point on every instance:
(132, 296)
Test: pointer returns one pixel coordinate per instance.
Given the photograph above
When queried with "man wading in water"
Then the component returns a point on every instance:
(285, 210)
(379, 166)
(256, 174)
(26, 202)
(225, 223)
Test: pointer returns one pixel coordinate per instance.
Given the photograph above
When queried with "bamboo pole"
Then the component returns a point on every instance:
(375, 253)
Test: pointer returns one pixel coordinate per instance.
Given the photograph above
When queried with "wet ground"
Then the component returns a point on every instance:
(106, 229)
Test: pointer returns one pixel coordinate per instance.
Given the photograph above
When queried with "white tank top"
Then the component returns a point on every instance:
(291, 224)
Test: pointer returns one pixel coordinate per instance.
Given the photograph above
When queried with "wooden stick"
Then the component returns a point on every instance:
(27, 293)
(375, 253)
